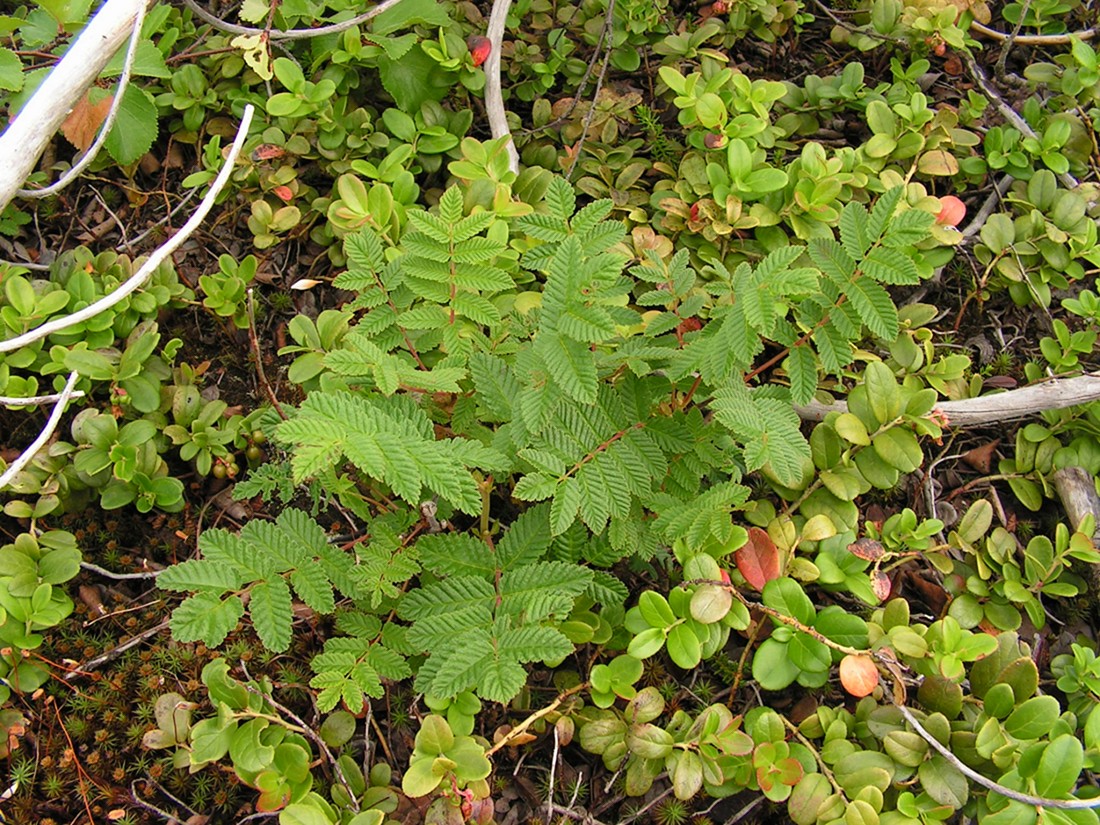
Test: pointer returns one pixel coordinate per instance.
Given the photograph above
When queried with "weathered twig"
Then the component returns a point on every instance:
(494, 96)
(897, 697)
(989, 784)
(289, 34)
(1055, 394)
(1077, 490)
(35, 400)
(108, 123)
(110, 574)
(116, 651)
(44, 436)
(149, 267)
(1007, 112)
(1033, 39)
(29, 133)
(987, 208)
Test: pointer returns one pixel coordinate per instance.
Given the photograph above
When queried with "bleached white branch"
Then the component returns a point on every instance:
(44, 436)
(149, 267)
(289, 34)
(996, 787)
(494, 96)
(28, 134)
(108, 122)
(35, 400)
(1056, 394)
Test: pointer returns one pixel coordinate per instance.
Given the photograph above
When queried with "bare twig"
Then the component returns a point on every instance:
(987, 208)
(51, 424)
(494, 96)
(28, 134)
(310, 734)
(1002, 59)
(1055, 394)
(105, 127)
(289, 34)
(115, 652)
(1034, 39)
(103, 571)
(35, 400)
(152, 262)
(996, 787)
(268, 389)
(1007, 112)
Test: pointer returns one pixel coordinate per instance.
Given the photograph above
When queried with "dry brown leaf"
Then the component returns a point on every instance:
(84, 120)
(981, 458)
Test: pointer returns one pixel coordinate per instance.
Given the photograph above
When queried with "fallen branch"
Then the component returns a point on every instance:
(29, 133)
(160, 254)
(44, 436)
(887, 664)
(1055, 394)
(35, 400)
(494, 96)
(1077, 490)
(1034, 39)
(108, 122)
(289, 34)
(1008, 113)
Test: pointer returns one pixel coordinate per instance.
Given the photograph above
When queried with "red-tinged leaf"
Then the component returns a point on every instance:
(858, 675)
(758, 559)
(867, 549)
(880, 584)
(83, 122)
(284, 193)
(267, 151)
(479, 47)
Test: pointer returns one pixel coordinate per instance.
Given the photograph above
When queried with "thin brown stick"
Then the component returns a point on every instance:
(260, 374)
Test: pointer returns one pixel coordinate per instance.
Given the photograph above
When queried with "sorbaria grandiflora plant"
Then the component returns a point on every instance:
(512, 407)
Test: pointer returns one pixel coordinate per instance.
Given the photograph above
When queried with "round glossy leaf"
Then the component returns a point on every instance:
(655, 609)
(684, 647)
(710, 603)
(646, 643)
(338, 728)
(1033, 718)
(435, 736)
(807, 797)
(771, 666)
(649, 741)
(420, 779)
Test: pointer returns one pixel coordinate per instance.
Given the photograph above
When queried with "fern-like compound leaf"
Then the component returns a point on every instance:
(271, 613)
(202, 575)
(206, 618)
(447, 596)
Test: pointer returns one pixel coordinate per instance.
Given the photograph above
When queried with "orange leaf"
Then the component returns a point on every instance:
(84, 120)
(758, 559)
(952, 211)
(858, 674)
